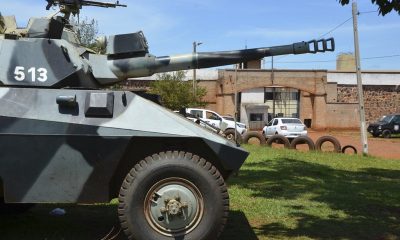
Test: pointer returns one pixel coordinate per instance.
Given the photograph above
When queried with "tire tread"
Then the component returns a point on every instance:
(164, 156)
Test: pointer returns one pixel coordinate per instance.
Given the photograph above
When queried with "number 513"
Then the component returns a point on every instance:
(36, 74)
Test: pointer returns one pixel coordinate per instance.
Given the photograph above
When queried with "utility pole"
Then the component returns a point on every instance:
(195, 44)
(273, 88)
(364, 140)
(236, 100)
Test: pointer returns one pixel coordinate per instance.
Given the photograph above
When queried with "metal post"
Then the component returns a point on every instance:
(273, 88)
(236, 112)
(195, 44)
(364, 140)
(272, 70)
(194, 70)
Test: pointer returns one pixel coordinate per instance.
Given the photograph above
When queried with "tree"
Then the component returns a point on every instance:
(385, 6)
(87, 31)
(176, 93)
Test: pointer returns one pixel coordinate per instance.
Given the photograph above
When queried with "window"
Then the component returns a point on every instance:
(294, 96)
(291, 120)
(197, 113)
(283, 102)
(269, 94)
(275, 122)
(396, 119)
(256, 117)
(387, 119)
(212, 116)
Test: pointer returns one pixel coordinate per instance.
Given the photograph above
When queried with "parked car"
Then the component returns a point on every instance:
(217, 120)
(232, 119)
(386, 126)
(288, 127)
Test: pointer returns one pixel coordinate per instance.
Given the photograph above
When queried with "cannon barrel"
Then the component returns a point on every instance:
(148, 65)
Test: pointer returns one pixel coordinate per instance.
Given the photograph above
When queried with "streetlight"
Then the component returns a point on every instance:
(195, 44)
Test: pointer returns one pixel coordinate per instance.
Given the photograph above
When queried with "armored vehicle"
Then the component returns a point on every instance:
(64, 139)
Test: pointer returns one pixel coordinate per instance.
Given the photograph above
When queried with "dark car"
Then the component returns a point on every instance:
(386, 126)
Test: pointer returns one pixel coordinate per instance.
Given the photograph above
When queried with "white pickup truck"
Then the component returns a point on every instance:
(216, 120)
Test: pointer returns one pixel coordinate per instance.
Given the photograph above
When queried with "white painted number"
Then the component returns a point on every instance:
(42, 74)
(32, 71)
(19, 74)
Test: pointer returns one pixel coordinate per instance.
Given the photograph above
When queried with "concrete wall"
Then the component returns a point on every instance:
(342, 116)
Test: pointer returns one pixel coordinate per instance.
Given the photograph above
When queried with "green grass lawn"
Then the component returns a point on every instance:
(283, 194)
(279, 194)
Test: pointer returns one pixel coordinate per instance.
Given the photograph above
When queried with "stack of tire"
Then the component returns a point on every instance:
(292, 144)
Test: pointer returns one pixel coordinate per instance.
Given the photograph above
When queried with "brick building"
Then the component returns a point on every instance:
(323, 99)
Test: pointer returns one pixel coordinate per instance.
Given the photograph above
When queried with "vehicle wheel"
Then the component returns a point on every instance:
(278, 139)
(248, 135)
(173, 195)
(302, 140)
(14, 208)
(349, 147)
(375, 135)
(336, 144)
(230, 135)
(386, 133)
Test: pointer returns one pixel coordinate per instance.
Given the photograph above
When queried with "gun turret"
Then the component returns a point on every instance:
(147, 65)
(59, 61)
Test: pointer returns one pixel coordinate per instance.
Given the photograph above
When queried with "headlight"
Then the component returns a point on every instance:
(380, 127)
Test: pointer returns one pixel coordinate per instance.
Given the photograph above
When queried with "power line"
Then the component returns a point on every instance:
(335, 28)
(366, 12)
(323, 35)
(329, 32)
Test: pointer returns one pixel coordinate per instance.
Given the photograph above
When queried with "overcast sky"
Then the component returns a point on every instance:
(171, 27)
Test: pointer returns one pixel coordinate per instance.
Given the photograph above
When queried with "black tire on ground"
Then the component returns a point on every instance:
(349, 147)
(302, 140)
(278, 139)
(336, 144)
(386, 133)
(14, 208)
(248, 135)
(183, 188)
(230, 135)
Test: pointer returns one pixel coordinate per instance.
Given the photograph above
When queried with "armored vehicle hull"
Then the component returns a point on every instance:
(80, 152)
(61, 141)
(88, 146)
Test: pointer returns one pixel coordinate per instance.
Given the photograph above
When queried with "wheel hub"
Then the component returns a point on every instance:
(173, 206)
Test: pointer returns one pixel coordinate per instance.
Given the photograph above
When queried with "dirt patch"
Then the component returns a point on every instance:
(379, 147)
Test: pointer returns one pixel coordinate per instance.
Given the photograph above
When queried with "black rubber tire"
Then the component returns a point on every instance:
(246, 137)
(278, 139)
(14, 208)
(349, 147)
(386, 133)
(336, 144)
(158, 167)
(302, 140)
(230, 135)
